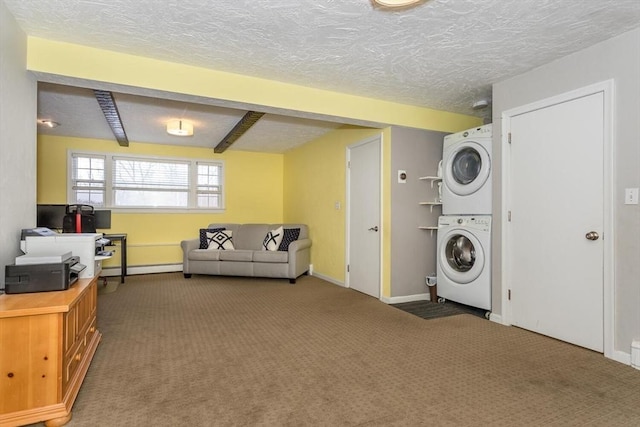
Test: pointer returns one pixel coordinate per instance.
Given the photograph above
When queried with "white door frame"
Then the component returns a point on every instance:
(377, 139)
(607, 89)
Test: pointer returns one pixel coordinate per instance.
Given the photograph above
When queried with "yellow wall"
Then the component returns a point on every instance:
(91, 64)
(253, 181)
(314, 180)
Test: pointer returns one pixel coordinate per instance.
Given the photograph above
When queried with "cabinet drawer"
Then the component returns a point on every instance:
(92, 329)
(76, 354)
(71, 328)
(72, 362)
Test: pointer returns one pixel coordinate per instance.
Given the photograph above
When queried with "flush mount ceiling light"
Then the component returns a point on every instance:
(397, 3)
(180, 127)
(48, 123)
(480, 104)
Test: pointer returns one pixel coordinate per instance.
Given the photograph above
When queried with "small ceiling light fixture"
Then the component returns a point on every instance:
(397, 3)
(48, 123)
(179, 127)
(480, 104)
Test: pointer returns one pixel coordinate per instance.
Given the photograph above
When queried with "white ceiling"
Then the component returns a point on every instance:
(441, 54)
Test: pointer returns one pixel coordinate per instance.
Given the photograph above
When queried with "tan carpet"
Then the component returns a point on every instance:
(242, 352)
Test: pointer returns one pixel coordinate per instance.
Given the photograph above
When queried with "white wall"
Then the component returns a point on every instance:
(17, 139)
(617, 59)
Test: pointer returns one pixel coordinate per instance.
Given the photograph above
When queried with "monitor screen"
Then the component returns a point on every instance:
(51, 216)
(103, 218)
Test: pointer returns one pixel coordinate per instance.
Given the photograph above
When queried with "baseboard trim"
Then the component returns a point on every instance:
(622, 357)
(142, 269)
(497, 318)
(326, 278)
(407, 298)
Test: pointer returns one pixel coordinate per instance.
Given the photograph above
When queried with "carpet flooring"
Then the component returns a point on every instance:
(218, 351)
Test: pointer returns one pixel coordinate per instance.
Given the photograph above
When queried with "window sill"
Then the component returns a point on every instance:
(121, 210)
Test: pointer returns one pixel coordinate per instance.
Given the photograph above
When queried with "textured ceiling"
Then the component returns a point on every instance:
(441, 54)
(144, 119)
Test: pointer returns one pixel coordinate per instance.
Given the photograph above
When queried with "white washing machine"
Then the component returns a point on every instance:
(464, 259)
(466, 172)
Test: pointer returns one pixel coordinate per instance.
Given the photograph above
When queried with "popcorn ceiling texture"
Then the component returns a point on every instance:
(442, 54)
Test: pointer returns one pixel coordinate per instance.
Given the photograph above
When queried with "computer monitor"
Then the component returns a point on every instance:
(103, 219)
(50, 216)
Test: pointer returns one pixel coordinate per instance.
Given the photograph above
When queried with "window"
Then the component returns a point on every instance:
(88, 180)
(209, 189)
(141, 182)
(150, 183)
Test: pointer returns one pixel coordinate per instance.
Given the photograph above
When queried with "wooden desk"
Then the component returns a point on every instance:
(47, 342)
(122, 237)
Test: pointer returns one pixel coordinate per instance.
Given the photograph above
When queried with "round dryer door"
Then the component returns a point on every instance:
(461, 256)
(467, 168)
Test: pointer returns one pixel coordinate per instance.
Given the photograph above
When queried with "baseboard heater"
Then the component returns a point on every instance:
(142, 269)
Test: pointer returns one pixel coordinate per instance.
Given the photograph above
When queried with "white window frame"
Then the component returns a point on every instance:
(71, 193)
(108, 175)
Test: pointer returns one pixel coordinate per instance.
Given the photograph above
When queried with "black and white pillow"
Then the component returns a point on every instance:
(220, 240)
(290, 235)
(272, 240)
(205, 235)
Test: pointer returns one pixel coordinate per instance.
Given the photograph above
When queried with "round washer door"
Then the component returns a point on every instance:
(460, 256)
(467, 168)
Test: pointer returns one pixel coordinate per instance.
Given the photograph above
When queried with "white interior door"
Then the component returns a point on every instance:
(556, 198)
(363, 272)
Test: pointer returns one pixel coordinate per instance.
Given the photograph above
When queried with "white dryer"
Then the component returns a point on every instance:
(464, 259)
(466, 172)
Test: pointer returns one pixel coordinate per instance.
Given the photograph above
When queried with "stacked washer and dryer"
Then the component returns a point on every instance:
(464, 230)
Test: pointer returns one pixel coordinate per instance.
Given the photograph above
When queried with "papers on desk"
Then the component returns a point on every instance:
(38, 258)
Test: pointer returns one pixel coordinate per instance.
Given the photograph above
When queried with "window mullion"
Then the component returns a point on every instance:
(108, 176)
(193, 184)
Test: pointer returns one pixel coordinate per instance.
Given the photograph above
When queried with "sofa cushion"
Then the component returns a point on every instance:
(236, 255)
(289, 235)
(221, 240)
(204, 255)
(271, 256)
(205, 236)
(272, 240)
(250, 236)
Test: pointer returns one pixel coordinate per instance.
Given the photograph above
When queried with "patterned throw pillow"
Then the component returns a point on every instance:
(204, 239)
(220, 240)
(290, 235)
(272, 241)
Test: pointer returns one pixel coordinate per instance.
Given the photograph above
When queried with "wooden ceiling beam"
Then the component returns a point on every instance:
(110, 110)
(238, 130)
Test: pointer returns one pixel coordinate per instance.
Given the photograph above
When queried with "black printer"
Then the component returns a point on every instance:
(34, 277)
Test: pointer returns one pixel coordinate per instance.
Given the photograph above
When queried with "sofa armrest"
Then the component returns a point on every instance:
(298, 245)
(299, 257)
(187, 246)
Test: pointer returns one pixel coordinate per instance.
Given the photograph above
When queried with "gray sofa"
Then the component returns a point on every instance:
(248, 257)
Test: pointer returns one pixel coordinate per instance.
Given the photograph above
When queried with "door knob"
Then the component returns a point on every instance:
(592, 235)
(374, 228)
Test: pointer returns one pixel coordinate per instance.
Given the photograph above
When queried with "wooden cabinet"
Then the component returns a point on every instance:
(47, 341)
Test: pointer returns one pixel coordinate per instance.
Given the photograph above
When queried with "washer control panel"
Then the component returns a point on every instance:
(482, 222)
